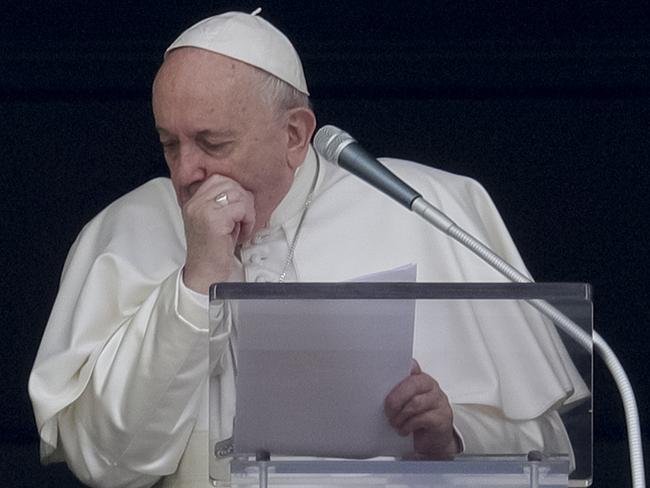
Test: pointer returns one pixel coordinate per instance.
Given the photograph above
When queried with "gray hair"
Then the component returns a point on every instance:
(279, 95)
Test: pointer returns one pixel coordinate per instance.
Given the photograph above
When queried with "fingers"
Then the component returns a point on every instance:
(415, 367)
(222, 206)
(433, 420)
(415, 385)
(219, 192)
(217, 185)
(411, 399)
(220, 214)
(418, 406)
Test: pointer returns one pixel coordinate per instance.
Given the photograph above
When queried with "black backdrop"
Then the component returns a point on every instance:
(547, 105)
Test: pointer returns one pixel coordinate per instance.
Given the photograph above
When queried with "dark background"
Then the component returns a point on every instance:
(546, 104)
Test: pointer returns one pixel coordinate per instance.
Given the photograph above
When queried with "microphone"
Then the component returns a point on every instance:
(341, 148)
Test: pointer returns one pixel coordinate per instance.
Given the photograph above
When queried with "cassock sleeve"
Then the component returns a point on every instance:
(117, 380)
(486, 431)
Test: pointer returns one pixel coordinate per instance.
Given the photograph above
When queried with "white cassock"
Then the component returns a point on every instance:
(120, 382)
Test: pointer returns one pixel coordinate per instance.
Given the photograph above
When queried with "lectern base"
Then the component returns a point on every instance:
(475, 472)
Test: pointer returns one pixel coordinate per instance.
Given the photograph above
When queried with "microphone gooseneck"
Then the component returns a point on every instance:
(342, 149)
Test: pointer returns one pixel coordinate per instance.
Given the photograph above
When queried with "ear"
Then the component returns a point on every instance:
(301, 123)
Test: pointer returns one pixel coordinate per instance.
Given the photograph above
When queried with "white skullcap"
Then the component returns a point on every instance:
(248, 38)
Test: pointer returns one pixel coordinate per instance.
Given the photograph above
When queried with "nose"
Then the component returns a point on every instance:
(188, 165)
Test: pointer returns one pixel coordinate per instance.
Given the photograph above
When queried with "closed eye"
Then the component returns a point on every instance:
(169, 145)
(216, 149)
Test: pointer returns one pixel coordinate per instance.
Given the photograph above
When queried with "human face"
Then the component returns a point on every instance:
(212, 121)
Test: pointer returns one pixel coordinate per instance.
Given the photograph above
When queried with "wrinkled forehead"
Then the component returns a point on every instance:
(195, 73)
(196, 89)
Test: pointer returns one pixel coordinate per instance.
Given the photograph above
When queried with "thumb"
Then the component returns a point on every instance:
(415, 367)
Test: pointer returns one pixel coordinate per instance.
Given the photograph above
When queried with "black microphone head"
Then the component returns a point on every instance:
(329, 141)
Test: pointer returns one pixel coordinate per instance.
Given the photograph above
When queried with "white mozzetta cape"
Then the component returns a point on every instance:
(120, 376)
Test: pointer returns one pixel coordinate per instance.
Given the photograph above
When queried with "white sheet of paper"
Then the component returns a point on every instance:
(313, 374)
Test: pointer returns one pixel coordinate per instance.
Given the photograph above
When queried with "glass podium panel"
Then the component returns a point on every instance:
(296, 392)
(475, 472)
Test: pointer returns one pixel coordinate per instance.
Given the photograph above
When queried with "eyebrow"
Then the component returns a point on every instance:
(202, 133)
(216, 133)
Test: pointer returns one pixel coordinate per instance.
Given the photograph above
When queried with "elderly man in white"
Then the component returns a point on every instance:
(119, 385)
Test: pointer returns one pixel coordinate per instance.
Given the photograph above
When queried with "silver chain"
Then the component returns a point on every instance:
(294, 241)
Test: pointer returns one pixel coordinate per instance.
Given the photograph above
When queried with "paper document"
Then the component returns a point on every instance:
(313, 374)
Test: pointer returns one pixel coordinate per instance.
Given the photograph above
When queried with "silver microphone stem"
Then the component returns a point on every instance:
(442, 222)
(332, 141)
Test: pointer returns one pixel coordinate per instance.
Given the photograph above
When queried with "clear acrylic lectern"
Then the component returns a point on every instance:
(299, 372)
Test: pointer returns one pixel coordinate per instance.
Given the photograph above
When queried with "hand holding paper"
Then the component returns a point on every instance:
(418, 406)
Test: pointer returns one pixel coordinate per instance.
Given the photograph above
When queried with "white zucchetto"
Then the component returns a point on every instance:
(248, 38)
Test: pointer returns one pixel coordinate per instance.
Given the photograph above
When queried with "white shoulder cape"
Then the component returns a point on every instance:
(352, 229)
(127, 258)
